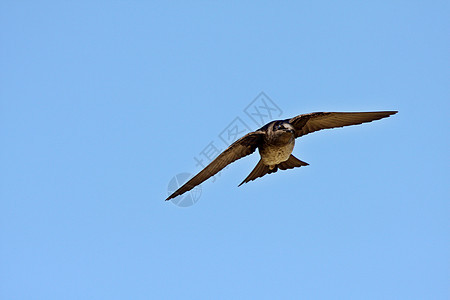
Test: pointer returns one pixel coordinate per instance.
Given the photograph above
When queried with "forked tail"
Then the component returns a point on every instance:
(261, 169)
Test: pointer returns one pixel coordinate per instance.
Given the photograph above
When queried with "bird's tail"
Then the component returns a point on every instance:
(261, 169)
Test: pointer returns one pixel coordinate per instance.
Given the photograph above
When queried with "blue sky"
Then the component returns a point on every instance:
(104, 102)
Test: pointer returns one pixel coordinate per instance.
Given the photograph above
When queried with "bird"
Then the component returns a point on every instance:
(275, 142)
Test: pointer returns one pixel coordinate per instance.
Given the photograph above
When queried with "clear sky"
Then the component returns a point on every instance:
(104, 102)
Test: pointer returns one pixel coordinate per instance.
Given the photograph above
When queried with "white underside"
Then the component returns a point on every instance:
(274, 155)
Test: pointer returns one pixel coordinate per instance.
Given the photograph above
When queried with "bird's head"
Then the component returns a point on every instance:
(282, 131)
(283, 127)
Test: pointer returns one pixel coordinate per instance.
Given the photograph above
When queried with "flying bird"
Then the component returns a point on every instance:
(275, 142)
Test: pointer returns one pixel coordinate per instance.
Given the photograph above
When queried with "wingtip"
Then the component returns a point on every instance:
(388, 113)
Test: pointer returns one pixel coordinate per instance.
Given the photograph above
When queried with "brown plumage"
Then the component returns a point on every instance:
(275, 142)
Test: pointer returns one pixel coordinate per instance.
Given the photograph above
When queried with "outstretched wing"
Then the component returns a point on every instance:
(242, 147)
(308, 123)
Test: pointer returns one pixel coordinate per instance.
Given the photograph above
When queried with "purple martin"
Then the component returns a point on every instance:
(275, 142)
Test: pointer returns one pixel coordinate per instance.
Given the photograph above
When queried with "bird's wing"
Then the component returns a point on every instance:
(242, 147)
(308, 123)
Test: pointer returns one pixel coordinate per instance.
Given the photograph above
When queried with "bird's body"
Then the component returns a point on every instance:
(275, 142)
(277, 145)
(272, 155)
